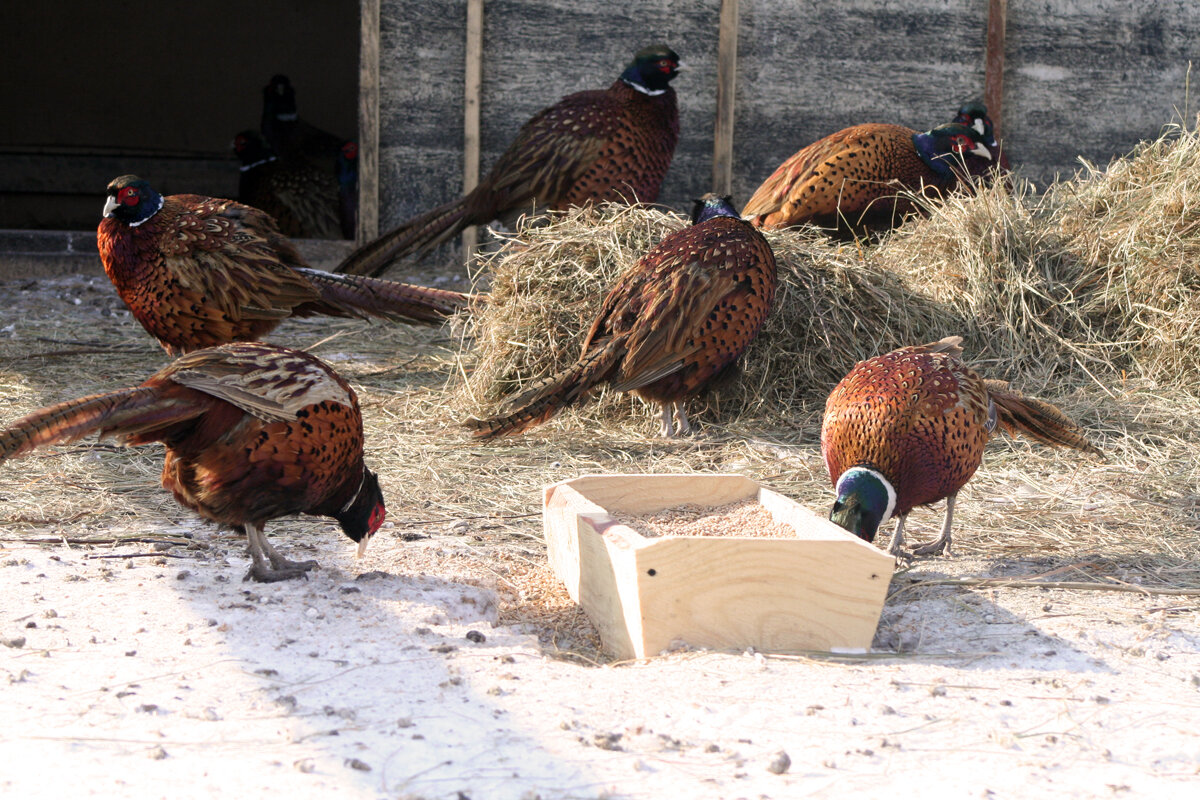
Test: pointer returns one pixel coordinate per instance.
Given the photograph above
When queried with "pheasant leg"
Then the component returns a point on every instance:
(942, 544)
(681, 420)
(278, 568)
(897, 546)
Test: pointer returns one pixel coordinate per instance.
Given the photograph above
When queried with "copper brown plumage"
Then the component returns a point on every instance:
(857, 176)
(200, 271)
(672, 323)
(613, 145)
(253, 432)
(908, 428)
(302, 199)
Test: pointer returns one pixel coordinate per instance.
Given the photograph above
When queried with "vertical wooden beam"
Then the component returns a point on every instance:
(368, 123)
(993, 76)
(722, 180)
(474, 80)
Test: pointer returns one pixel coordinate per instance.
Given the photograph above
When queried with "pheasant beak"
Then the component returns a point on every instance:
(109, 205)
(362, 546)
(978, 126)
(981, 151)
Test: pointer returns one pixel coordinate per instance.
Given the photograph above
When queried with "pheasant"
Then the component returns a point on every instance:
(304, 201)
(199, 271)
(854, 177)
(614, 144)
(908, 428)
(291, 137)
(974, 115)
(672, 323)
(253, 432)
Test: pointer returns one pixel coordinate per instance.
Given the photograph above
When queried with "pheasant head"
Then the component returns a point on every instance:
(975, 116)
(947, 144)
(712, 205)
(363, 513)
(131, 200)
(865, 500)
(652, 69)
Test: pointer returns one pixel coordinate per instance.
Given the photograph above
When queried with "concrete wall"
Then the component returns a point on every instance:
(1082, 77)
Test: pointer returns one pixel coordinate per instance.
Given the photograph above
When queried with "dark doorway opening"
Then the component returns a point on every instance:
(95, 90)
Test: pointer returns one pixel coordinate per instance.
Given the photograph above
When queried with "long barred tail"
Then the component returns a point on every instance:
(417, 236)
(1036, 419)
(358, 295)
(546, 398)
(125, 413)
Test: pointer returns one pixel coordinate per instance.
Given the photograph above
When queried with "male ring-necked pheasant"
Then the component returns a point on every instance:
(853, 177)
(199, 272)
(613, 144)
(672, 322)
(908, 428)
(253, 432)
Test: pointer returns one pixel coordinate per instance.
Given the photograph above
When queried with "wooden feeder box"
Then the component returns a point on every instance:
(822, 591)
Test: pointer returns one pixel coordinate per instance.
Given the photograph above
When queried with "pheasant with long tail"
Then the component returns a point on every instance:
(607, 145)
(200, 272)
(253, 432)
(671, 324)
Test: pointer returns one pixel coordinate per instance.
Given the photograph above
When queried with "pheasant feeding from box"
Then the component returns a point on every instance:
(853, 177)
(303, 200)
(253, 432)
(200, 271)
(672, 323)
(908, 428)
(613, 144)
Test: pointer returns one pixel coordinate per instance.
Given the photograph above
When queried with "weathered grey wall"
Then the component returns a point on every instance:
(1083, 77)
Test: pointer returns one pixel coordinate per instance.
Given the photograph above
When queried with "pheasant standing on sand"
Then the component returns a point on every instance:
(198, 272)
(302, 199)
(908, 428)
(613, 144)
(253, 432)
(674, 321)
(853, 177)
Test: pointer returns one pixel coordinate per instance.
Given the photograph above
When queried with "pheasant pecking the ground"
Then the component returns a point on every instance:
(605, 145)
(856, 177)
(200, 272)
(672, 323)
(253, 432)
(908, 428)
(303, 200)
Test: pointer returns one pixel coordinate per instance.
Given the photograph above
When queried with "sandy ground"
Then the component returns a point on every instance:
(141, 672)
(149, 669)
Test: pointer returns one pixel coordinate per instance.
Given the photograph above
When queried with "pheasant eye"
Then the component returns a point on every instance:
(960, 142)
(350, 150)
(128, 196)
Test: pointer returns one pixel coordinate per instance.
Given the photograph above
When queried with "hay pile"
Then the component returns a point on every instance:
(1095, 279)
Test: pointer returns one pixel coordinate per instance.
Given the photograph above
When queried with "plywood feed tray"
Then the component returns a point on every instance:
(823, 590)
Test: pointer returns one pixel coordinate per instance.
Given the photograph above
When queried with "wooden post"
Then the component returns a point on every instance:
(368, 124)
(993, 77)
(727, 41)
(474, 79)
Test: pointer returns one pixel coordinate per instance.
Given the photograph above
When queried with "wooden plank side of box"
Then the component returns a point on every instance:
(647, 493)
(776, 595)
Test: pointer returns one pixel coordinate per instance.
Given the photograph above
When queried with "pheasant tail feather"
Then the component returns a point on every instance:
(358, 295)
(125, 413)
(1037, 419)
(545, 399)
(414, 237)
